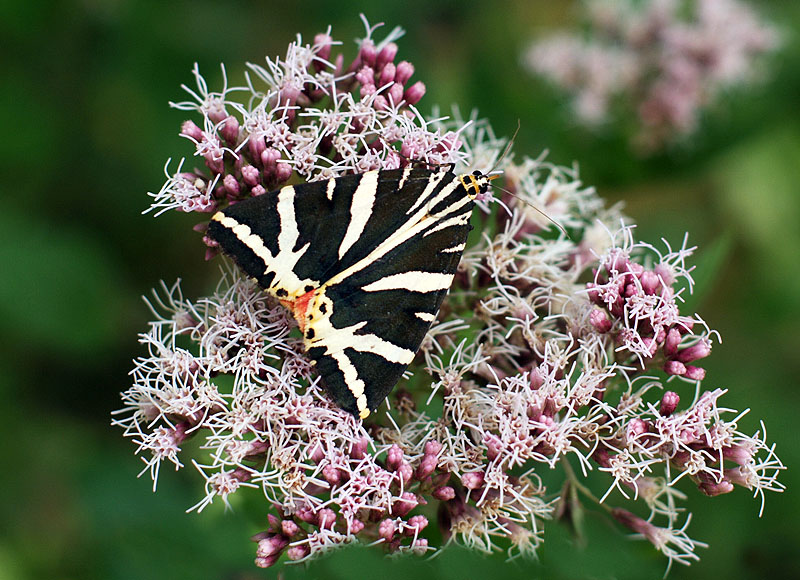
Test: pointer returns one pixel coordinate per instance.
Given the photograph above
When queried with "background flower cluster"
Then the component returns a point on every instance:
(660, 62)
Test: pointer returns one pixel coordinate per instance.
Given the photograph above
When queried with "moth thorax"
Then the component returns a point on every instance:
(475, 183)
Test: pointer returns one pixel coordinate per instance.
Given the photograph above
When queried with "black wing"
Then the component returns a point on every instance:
(380, 249)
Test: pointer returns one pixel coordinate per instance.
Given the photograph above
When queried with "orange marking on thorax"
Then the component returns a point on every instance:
(299, 308)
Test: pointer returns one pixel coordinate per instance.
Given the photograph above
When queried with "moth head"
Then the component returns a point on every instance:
(477, 183)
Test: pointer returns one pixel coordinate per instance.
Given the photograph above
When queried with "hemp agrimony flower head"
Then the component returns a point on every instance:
(665, 59)
(546, 347)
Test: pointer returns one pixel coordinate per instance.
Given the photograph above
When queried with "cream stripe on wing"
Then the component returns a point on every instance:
(406, 172)
(360, 210)
(338, 339)
(414, 281)
(244, 234)
(458, 220)
(415, 224)
(283, 263)
(454, 249)
(354, 384)
(287, 237)
(433, 181)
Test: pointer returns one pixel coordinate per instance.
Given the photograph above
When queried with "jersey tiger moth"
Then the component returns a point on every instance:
(362, 261)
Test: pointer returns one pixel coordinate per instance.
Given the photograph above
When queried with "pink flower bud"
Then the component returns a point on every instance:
(636, 427)
(418, 522)
(695, 373)
(444, 493)
(394, 456)
(381, 104)
(230, 184)
(697, 351)
(426, 466)
(405, 471)
(283, 171)
(651, 345)
(358, 450)
(189, 129)
(366, 76)
(258, 190)
(738, 476)
(650, 282)
(386, 55)
(494, 446)
(669, 402)
(414, 93)
(274, 521)
(671, 342)
(473, 479)
(368, 53)
(266, 562)
(323, 44)
(395, 94)
(269, 158)
(326, 518)
(297, 552)
(403, 72)
(331, 474)
(307, 515)
(665, 273)
(709, 485)
(433, 447)
(256, 146)
(387, 74)
(407, 502)
(600, 320)
(420, 545)
(289, 528)
(271, 546)
(740, 454)
(673, 367)
(230, 129)
(251, 175)
(386, 529)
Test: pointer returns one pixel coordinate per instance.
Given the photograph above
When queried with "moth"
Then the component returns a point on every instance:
(363, 262)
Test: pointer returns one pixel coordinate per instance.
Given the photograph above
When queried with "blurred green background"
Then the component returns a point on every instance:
(83, 104)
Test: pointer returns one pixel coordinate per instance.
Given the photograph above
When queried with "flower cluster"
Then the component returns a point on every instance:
(639, 306)
(656, 57)
(308, 116)
(547, 346)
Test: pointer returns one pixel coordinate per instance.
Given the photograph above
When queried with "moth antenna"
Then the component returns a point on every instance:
(497, 163)
(551, 220)
(507, 149)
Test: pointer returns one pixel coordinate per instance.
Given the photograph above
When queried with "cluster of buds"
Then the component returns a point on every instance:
(667, 62)
(638, 306)
(313, 118)
(532, 360)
